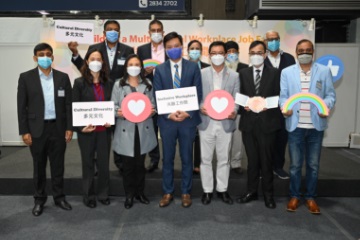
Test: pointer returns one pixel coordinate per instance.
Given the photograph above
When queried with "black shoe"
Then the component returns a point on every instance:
(225, 197)
(247, 197)
(128, 202)
(90, 203)
(141, 198)
(64, 205)
(270, 202)
(238, 170)
(152, 167)
(105, 201)
(206, 198)
(38, 209)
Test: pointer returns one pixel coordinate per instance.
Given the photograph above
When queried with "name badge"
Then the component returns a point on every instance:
(121, 61)
(61, 93)
(319, 85)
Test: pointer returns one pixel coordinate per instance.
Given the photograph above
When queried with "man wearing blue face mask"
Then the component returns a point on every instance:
(279, 59)
(45, 123)
(237, 147)
(114, 54)
(180, 125)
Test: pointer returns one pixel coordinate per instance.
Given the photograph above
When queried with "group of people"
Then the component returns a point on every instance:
(110, 71)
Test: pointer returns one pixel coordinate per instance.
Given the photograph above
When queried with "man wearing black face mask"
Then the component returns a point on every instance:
(304, 123)
(45, 123)
(114, 54)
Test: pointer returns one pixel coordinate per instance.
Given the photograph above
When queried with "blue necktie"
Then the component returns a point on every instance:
(177, 79)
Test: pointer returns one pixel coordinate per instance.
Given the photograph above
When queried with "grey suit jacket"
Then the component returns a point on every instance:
(124, 135)
(230, 83)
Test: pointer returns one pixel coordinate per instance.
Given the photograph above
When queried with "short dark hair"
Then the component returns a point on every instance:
(302, 41)
(217, 43)
(41, 47)
(111, 22)
(172, 35)
(257, 42)
(85, 71)
(231, 44)
(155, 21)
(122, 81)
(194, 41)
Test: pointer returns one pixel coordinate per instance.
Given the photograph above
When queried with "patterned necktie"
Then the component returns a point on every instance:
(257, 81)
(177, 79)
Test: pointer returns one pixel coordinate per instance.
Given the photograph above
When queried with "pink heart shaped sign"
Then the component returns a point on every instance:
(219, 104)
(136, 107)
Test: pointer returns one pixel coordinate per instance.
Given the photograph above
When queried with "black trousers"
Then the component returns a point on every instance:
(90, 143)
(134, 169)
(155, 153)
(50, 145)
(280, 146)
(259, 148)
(197, 152)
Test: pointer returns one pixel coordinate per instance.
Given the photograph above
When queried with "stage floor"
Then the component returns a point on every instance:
(339, 174)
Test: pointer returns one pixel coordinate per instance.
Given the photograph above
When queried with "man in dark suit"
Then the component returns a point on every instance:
(279, 59)
(237, 146)
(45, 123)
(259, 129)
(179, 125)
(114, 54)
(153, 50)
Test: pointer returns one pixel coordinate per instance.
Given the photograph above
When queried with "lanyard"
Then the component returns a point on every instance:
(99, 97)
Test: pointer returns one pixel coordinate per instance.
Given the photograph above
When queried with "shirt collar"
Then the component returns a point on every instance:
(179, 63)
(261, 68)
(41, 74)
(160, 47)
(107, 46)
(280, 53)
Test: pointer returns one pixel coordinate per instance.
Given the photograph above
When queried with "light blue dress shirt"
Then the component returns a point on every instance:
(47, 84)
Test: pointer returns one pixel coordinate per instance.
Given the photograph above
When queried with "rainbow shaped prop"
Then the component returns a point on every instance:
(151, 63)
(309, 97)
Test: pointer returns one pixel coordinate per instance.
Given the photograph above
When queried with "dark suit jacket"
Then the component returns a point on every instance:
(241, 66)
(144, 52)
(31, 103)
(122, 52)
(269, 86)
(286, 60)
(204, 65)
(190, 76)
(84, 92)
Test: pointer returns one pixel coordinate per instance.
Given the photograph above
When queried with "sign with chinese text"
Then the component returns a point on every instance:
(172, 100)
(67, 31)
(94, 113)
(136, 107)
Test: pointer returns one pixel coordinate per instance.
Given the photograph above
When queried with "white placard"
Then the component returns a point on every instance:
(242, 100)
(94, 113)
(67, 31)
(172, 100)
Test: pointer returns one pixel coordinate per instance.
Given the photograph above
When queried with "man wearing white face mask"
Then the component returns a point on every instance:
(279, 59)
(217, 134)
(153, 50)
(304, 123)
(114, 54)
(259, 129)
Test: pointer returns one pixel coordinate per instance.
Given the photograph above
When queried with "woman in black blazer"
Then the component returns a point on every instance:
(194, 52)
(94, 85)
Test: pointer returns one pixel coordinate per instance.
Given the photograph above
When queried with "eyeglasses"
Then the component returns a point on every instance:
(272, 39)
(217, 53)
(307, 50)
(255, 53)
(156, 30)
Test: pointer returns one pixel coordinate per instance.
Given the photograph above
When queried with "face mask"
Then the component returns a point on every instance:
(156, 37)
(217, 59)
(112, 36)
(274, 45)
(95, 66)
(133, 71)
(305, 58)
(256, 60)
(174, 53)
(194, 54)
(44, 62)
(232, 57)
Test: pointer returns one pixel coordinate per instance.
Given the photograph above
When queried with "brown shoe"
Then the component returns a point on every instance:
(293, 204)
(186, 200)
(312, 206)
(166, 200)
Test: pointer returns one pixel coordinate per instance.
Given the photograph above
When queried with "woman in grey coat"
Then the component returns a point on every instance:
(133, 140)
